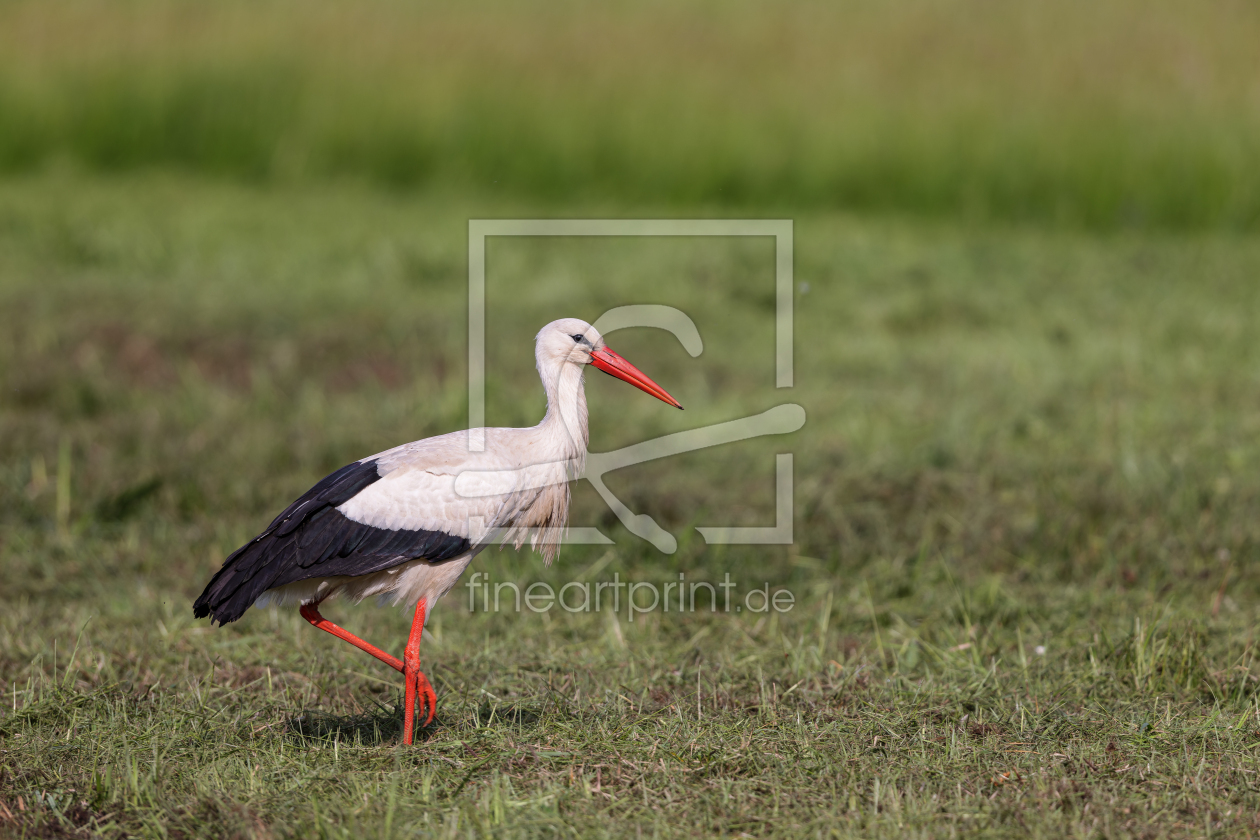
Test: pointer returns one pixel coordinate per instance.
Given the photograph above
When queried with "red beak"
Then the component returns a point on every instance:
(612, 364)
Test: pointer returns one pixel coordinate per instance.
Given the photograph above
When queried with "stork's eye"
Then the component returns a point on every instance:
(578, 339)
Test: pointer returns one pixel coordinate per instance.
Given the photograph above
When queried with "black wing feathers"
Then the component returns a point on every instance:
(311, 538)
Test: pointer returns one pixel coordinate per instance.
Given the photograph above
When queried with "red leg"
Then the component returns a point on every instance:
(416, 680)
(311, 613)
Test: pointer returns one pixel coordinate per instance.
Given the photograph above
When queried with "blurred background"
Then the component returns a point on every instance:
(1108, 115)
(233, 257)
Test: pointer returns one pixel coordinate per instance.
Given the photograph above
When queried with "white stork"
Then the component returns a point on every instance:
(395, 526)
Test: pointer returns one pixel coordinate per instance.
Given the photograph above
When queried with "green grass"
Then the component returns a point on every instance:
(1025, 549)
(1016, 441)
(1025, 495)
(1104, 115)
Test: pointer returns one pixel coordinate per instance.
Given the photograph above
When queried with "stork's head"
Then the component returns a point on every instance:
(573, 341)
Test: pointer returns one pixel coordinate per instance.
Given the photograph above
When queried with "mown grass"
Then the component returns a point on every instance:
(1108, 115)
(1025, 534)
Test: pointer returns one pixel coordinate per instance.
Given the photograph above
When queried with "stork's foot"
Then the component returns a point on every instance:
(417, 682)
(418, 690)
(427, 696)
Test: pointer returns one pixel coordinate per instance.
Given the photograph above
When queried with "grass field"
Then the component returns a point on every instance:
(1025, 550)
(1106, 115)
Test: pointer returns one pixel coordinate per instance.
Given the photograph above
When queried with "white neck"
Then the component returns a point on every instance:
(565, 423)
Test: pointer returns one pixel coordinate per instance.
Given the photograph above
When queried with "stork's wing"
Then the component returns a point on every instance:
(364, 518)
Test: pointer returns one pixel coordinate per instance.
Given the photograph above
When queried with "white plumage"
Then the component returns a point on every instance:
(403, 525)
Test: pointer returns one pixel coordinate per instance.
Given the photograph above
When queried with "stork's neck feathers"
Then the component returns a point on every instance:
(563, 437)
(565, 423)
